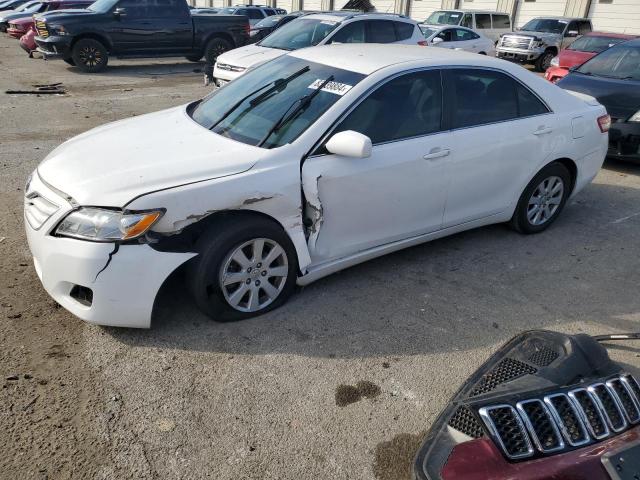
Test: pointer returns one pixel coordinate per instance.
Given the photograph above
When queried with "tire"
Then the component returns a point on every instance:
(482, 53)
(193, 58)
(70, 61)
(215, 48)
(544, 61)
(90, 55)
(542, 192)
(218, 250)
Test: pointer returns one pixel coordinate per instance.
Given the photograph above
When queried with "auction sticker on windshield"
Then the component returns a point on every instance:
(336, 88)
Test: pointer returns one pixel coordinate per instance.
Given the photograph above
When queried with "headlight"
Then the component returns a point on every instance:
(635, 117)
(58, 30)
(102, 225)
(555, 62)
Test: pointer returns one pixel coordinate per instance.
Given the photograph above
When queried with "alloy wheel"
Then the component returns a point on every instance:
(90, 56)
(545, 200)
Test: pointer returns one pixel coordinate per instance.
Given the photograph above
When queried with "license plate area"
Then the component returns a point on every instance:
(623, 463)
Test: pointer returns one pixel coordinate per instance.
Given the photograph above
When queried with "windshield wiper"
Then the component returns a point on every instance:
(292, 111)
(276, 85)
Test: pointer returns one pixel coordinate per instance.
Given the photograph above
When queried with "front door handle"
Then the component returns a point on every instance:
(543, 131)
(436, 153)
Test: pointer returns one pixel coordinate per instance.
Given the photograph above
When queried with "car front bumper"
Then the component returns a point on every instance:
(624, 141)
(54, 46)
(15, 33)
(101, 283)
(518, 55)
(223, 76)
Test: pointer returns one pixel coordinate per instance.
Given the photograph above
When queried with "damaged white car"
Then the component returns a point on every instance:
(311, 163)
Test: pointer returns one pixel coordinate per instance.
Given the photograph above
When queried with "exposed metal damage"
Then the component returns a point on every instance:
(116, 247)
(313, 210)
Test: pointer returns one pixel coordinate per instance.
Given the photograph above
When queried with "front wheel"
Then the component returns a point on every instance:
(544, 61)
(90, 55)
(245, 267)
(542, 200)
(215, 48)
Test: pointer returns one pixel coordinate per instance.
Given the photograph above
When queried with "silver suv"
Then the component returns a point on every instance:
(541, 39)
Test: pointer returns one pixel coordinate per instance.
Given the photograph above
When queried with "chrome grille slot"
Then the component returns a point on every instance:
(591, 413)
(633, 386)
(568, 419)
(507, 428)
(516, 42)
(38, 209)
(626, 400)
(609, 406)
(541, 426)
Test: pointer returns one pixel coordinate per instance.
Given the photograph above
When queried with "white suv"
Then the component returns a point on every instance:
(254, 13)
(490, 24)
(318, 29)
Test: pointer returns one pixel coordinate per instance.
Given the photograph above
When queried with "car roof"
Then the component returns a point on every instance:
(610, 34)
(568, 19)
(468, 10)
(346, 15)
(366, 58)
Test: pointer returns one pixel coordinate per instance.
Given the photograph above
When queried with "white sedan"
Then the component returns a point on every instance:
(311, 163)
(458, 38)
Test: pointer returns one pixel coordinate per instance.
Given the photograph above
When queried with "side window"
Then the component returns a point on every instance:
(501, 21)
(573, 27)
(467, 20)
(446, 35)
(483, 20)
(241, 11)
(528, 103)
(134, 8)
(407, 106)
(381, 31)
(350, 33)
(167, 9)
(481, 96)
(254, 14)
(269, 12)
(584, 27)
(404, 30)
(462, 35)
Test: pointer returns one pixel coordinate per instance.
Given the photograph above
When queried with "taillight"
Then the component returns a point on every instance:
(247, 28)
(423, 43)
(604, 122)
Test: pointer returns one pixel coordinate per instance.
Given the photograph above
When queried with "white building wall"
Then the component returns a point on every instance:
(419, 10)
(310, 5)
(491, 5)
(621, 16)
(540, 8)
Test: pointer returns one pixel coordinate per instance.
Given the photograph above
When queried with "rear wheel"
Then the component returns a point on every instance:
(215, 48)
(246, 267)
(542, 200)
(90, 55)
(544, 61)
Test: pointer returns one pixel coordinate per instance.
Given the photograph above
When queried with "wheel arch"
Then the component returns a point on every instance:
(222, 35)
(94, 36)
(570, 165)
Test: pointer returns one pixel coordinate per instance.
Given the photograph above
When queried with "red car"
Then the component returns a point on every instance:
(28, 40)
(584, 48)
(18, 27)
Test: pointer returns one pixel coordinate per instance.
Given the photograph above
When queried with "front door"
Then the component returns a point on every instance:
(396, 193)
(502, 132)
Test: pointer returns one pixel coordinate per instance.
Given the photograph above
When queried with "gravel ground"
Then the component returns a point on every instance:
(341, 383)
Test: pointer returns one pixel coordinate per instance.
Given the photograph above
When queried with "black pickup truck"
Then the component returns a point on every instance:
(137, 28)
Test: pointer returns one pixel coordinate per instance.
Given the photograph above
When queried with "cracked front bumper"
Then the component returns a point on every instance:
(518, 55)
(123, 290)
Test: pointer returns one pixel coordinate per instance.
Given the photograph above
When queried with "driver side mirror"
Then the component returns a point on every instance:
(572, 33)
(350, 144)
(120, 12)
(436, 40)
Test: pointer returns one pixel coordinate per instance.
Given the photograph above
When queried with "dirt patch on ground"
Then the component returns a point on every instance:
(348, 394)
(394, 459)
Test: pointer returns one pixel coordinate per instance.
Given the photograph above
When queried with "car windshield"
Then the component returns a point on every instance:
(621, 62)
(300, 33)
(28, 7)
(268, 22)
(427, 31)
(102, 6)
(544, 25)
(594, 44)
(248, 108)
(444, 17)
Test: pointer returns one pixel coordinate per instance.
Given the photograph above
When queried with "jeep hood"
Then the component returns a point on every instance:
(112, 164)
(250, 56)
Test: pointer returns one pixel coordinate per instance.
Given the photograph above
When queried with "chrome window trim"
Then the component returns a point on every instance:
(488, 421)
(548, 399)
(530, 428)
(572, 396)
(592, 390)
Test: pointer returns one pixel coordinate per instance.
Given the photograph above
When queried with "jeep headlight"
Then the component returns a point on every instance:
(104, 225)
(635, 117)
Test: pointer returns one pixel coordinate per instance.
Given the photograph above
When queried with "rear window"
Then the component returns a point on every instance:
(501, 21)
(405, 30)
(483, 20)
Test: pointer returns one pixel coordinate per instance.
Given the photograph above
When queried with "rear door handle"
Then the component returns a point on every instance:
(543, 131)
(436, 153)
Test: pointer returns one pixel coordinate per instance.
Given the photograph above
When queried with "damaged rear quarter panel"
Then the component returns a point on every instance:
(272, 187)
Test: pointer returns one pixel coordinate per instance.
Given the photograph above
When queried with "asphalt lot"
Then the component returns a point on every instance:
(340, 383)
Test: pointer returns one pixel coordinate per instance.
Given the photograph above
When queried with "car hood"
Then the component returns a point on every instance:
(621, 98)
(115, 163)
(250, 56)
(75, 13)
(545, 36)
(569, 58)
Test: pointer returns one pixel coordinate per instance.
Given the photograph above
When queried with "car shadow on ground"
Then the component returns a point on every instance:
(467, 291)
(131, 69)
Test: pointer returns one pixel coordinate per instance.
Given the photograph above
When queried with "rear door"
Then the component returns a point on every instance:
(380, 31)
(501, 131)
